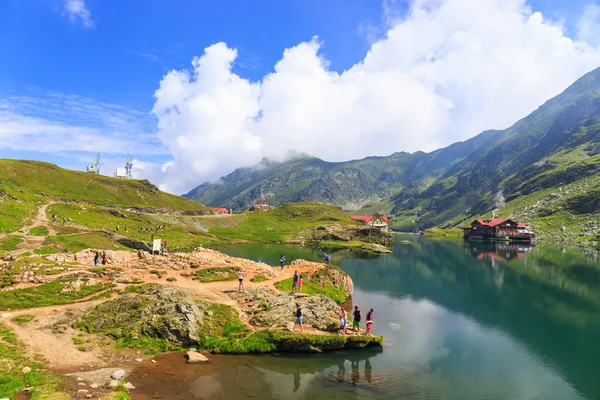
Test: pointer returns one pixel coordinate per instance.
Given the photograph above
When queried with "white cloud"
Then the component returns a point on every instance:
(53, 122)
(588, 26)
(76, 10)
(444, 72)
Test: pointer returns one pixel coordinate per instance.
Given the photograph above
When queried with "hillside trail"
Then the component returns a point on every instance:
(32, 242)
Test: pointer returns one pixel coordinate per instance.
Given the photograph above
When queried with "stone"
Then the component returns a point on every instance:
(113, 383)
(139, 359)
(196, 358)
(94, 386)
(82, 391)
(26, 370)
(129, 386)
(118, 374)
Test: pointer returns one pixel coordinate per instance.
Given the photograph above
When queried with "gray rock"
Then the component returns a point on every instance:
(118, 374)
(129, 386)
(193, 357)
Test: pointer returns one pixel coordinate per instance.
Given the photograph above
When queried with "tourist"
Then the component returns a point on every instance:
(327, 258)
(282, 262)
(117, 228)
(104, 258)
(295, 282)
(125, 228)
(240, 275)
(343, 321)
(357, 316)
(64, 219)
(369, 321)
(300, 284)
(96, 259)
(53, 217)
(298, 318)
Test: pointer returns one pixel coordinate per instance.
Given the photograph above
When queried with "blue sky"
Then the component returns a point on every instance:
(77, 76)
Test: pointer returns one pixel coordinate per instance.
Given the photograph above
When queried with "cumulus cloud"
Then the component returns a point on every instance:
(77, 11)
(445, 71)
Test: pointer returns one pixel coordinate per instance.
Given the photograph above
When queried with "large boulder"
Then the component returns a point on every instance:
(270, 309)
(159, 311)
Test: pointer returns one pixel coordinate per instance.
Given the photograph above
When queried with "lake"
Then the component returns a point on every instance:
(476, 321)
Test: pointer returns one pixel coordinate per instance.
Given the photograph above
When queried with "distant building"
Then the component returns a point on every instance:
(220, 210)
(498, 229)
(260, 204)
(376, 220)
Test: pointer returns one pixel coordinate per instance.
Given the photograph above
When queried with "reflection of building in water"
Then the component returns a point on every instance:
(499, 251)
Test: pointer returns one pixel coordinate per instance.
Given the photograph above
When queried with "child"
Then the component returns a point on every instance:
(300, 284)
(298, 318)
(369, 321)
(343, 321)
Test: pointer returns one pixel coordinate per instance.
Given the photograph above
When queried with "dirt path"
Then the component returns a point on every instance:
(58, 349)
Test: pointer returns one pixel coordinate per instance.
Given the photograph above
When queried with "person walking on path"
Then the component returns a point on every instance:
(300, 284)
(343, 321)
(327, 258)
(104, 260)
(298, 318)
(240, 275)
(357, 316)
(281, 262)
(295, 282)
(96, 259)
(369, 321)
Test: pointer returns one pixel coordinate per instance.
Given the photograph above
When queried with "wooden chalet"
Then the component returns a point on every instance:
(498, 229)
(376, 220)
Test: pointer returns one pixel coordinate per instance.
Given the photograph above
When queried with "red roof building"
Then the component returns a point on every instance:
(220, 210)
(376, 220)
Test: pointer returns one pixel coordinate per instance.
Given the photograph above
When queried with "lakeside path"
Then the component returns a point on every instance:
(59, 348)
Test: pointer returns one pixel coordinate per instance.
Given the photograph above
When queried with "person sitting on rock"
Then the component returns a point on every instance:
(327, 258)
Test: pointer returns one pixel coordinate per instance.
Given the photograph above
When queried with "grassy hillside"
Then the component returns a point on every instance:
(24, 185)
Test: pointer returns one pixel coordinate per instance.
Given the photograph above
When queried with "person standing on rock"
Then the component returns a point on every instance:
(327, 258)
(96, 259)
(300, 284)
(240, 275)
(357, 316)
(369, 321)
(295, 282)
(343, 321)
(104, 260)
(282, 262)
(298, 318)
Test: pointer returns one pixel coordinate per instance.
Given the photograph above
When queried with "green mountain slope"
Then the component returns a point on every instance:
(24, 185)
(556, 146)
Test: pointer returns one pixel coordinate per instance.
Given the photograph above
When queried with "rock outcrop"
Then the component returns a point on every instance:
(160, 311)
(270, 309)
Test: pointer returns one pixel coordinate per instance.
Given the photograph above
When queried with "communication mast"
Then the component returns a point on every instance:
(127, 172)
(94, 168)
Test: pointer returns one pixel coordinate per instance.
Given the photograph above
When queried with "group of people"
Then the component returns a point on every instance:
(98, 257)
(156, 228)
(356, 321)
(64, 219)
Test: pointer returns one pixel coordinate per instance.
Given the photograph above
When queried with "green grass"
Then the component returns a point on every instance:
(258, 278)
(10, 242)
(47, 295)
(44, 250)
(268, 340)
(23, 319)
(451, 233)
(284, 223)
(320, 282)
(156, 272)
(39, 231)
(215, 274)
(76, 243)
(13, 360)
(171, 279)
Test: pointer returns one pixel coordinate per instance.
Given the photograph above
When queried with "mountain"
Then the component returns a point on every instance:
(554, 149)
(24, 185)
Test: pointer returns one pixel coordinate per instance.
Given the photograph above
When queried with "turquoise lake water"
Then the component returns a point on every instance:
(460, 322)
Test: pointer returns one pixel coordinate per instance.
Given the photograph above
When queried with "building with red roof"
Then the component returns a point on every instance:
(220, 210)
(498, 228)
(376, 220)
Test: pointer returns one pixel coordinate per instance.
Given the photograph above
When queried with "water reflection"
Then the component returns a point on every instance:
(460, 321)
